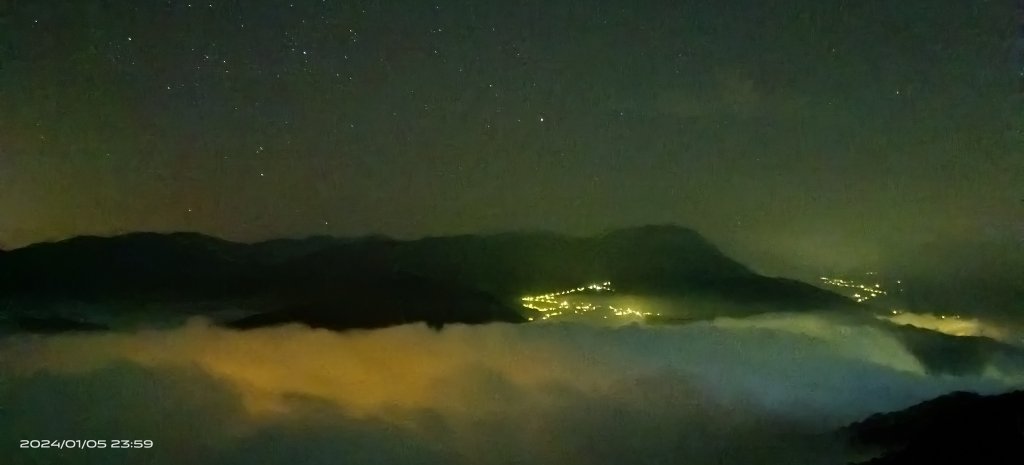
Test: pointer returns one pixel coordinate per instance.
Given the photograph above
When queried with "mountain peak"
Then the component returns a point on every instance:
(667, 261)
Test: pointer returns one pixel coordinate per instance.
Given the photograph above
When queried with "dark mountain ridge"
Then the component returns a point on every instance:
(325, 275)
(958, 428)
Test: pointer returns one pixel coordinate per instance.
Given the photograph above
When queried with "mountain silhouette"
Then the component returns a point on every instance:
(959, 428)
(378, 281)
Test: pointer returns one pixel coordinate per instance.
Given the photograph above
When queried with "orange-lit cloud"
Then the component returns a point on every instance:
(727, 391)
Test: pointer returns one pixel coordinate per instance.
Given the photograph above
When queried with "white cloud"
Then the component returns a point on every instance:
(731, 391)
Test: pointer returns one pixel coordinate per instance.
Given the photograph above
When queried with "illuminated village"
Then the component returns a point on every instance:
(589, 302)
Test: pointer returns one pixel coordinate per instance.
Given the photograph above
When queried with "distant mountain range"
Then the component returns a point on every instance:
(958, 428)
(376, 281)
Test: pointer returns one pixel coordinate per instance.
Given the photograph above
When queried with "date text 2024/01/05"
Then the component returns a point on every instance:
(86, 444)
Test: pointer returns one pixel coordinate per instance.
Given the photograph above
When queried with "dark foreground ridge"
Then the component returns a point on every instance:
(376, 281)
(960, 428)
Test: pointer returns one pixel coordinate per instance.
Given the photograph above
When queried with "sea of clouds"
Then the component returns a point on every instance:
(768, 389)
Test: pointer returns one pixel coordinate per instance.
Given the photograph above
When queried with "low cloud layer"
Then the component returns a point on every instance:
(955, 325)
(766, 390)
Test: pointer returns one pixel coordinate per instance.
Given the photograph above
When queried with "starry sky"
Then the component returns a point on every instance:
(821, 132)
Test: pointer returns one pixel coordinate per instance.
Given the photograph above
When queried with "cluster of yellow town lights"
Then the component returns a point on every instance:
(571, 302)
(860, 292)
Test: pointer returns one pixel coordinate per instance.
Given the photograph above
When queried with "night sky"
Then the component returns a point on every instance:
(822, 131)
